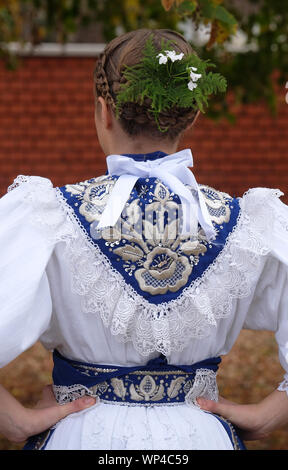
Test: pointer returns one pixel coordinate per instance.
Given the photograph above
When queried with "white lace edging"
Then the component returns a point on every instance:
(46, 215)
(65, 394)
(283, 386)
(204, 385)
(168, 326)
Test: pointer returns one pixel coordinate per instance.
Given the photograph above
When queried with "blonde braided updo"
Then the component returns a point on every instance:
(135, 118)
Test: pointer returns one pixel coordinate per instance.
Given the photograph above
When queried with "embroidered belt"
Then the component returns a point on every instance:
(155, 383)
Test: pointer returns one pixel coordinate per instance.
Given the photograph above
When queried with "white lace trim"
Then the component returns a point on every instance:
(65, 394)
(168, 326)
(55, 224)
(283, 386)
(204, 385)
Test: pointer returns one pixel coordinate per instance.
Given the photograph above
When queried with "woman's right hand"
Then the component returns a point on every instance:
(255, 421)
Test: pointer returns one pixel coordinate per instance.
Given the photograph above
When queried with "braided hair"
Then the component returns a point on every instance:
(137, 119)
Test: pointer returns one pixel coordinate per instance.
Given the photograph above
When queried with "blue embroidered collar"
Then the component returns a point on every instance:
(157, 265)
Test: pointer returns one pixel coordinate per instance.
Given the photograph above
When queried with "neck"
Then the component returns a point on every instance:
(143, 147)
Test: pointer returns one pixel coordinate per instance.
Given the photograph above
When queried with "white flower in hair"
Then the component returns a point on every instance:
(192, 85)
(194, 77)
(162, 58)
(173, 56)
(169, 55)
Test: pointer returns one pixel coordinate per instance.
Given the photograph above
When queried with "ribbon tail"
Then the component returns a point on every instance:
(117, 200)
(203, 213)
(190, 216)
(205, 218)
(188, 203)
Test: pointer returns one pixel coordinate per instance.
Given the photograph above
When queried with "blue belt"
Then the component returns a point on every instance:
(154, 383)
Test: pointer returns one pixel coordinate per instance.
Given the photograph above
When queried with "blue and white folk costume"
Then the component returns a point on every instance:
(139, 314)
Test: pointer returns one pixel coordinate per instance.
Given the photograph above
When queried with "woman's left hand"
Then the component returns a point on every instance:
(17, 422)
(255, 421)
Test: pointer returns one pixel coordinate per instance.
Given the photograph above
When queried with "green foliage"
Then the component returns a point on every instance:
(187, 8)
(248, 73)
(253, 73)
(166, 84)
(212, 10)
(223, 23)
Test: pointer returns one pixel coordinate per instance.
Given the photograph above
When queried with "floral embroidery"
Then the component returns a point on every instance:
(217, 203)
(94, 196)
(163, 270)
(147, 390)
(147, 241)
(145, 387)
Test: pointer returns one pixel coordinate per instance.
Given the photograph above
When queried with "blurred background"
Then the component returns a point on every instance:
(48, 51)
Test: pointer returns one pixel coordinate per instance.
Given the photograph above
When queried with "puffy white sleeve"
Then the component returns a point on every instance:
(269, 309)
(25, 300)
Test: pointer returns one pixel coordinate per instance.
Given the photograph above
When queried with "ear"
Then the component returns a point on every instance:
(103, 112)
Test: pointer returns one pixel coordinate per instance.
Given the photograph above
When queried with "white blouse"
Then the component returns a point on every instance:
(56, 288)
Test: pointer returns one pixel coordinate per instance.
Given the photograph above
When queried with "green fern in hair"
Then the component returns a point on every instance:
(169, 79)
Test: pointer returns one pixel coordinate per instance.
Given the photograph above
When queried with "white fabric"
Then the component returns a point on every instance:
(116, 427)
(37, 302)
(173, 171)
(172, 326)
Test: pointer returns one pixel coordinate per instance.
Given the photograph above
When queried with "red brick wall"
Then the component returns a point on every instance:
(47, 129)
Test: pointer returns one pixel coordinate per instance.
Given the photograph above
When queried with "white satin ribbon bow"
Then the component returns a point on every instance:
(173, 171)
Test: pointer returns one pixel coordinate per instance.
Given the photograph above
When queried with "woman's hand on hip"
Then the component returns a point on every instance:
(18, 423)
(255, 421)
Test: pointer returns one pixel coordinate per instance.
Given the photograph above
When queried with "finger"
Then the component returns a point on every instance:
(214, 406)
(44, 418)
(243, 416)
(223, 407)
(74, 406)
